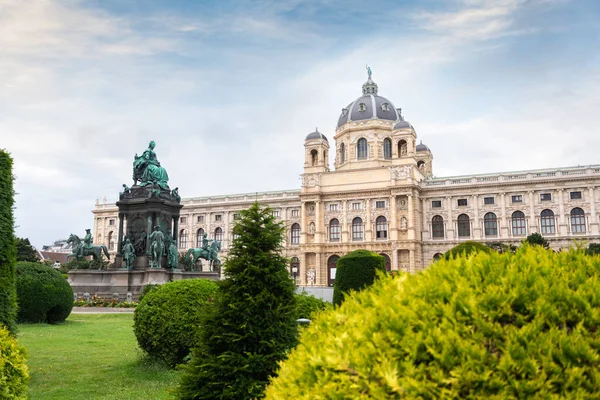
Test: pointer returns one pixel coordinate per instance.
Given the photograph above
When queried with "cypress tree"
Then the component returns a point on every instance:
(8, 291)
(253, 323)
(25, 251)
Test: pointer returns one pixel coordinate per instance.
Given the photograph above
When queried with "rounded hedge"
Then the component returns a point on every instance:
(14, 374)
(466, 248)
(495, 326)
(308, 306)
(42, 293)
(166, 321)
(355, 271)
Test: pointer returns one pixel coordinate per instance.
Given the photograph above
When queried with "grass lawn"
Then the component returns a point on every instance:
(92, 357)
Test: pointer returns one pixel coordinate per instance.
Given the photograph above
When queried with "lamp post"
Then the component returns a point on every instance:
(295, 273)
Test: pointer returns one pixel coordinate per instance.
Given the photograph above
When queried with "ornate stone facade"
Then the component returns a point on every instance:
(382, 196)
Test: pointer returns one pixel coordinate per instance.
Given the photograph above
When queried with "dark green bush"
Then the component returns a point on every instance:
(490, 326)
(43, 294)
(536, 239)
(25, 251)
(147, 289)
(14, 374)
(8, 250)
(355, 271)
(466, 248)
(308, 306)
(253, 325)
(593, 248)
(166, 320)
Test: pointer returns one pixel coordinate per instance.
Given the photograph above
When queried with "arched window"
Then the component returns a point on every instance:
(464, 225)
(421, 165)
(182, 239)
(218, 234)
(577, 220)
(334, 230)
(547, 222)
(361, 149)
(490, 224)
(437, 227)
(437, 256)
(402, 148)
(331, 269)
(295, 234)
(519, 227)
(314, 157)
(358, 229)
(387, 148)
(388, 262)
(381, 228)
(111, 241)
(342, 153)
(199, 237)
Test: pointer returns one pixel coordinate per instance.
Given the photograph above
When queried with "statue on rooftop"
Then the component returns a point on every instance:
(147, 169)
(369, 71)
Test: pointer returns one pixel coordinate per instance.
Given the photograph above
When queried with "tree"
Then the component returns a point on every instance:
(8, 291)
(253, 323)
(593, 249)
(467, 248)
(355, 271)
(25, 251)
(536, 239)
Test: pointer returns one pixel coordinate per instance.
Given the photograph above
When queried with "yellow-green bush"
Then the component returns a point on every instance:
(493, 326)
(14, 374)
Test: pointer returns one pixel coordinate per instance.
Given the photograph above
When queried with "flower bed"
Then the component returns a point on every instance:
(100, 302)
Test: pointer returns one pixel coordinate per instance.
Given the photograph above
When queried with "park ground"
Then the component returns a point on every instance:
(92, 356)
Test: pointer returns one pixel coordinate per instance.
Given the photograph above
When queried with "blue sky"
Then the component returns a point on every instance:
(229, 90)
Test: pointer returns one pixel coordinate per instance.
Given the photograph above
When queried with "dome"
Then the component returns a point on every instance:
(316, 135)
(369, 106)
(422, 147)
(402, 124)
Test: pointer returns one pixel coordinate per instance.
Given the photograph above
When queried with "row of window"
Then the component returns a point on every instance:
(380, 204)
(236, 216)
(518, 224)
(575, 195)
(362, 149)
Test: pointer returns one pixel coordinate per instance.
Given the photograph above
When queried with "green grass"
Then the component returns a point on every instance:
(92, 357)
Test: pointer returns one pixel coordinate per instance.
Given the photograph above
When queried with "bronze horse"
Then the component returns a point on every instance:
(78, 251)
(210, 255)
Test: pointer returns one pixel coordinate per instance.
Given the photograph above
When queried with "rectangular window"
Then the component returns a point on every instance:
(236, 216)
(462, 202)
(276, 213)
(333, 207)
(200, 218)
(488, 200)
(111, 222)
(546, 197)
(517, 198)
(357, 206)
(217, 217)
(295, 213)
(436, 204)
(182, 220)
(575, 195)
(380, 204)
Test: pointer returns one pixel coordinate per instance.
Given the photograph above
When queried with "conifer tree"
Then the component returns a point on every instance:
(8, 291)
(25, 251)
(253, 324)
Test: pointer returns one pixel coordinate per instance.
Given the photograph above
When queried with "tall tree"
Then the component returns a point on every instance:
(25, 251)
(253, 324)
(8, 291)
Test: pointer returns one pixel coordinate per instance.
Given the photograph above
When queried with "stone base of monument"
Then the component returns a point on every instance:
(106, 283)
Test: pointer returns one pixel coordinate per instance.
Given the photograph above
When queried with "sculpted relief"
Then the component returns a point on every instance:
(400, 172)
(311, 180)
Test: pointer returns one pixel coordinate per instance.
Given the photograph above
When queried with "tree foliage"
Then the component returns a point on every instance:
(8, 294)
(308, 306)
(14, 374)
(466, 248)
(487, 326)
(167, 319)
(536, 239)
(593, 248)
(25, 251)
(355, 271)
(253, 324)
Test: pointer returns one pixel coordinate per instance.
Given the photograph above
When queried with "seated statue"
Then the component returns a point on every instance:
(147, 169)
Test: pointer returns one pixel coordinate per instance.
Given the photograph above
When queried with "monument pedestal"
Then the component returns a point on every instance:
(106, 283)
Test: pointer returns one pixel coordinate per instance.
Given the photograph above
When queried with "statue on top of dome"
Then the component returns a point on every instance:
(369, 71)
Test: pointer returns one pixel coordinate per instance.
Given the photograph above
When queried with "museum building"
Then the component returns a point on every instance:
(382, 196)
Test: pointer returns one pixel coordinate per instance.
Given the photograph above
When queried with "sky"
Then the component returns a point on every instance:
(229, 90)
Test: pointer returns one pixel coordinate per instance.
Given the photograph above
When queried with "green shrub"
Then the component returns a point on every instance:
(536, 239)
(253, 325)
(355, 271)
(43, 294)
(166, 321)
(147, 289)
(593, 248)
(8, 251)
(466, 248)
(25, 251)
(492, 326)
(14, 374)
(308, 306)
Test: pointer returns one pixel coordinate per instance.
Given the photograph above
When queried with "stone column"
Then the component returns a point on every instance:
(532, 223)
(120, 237)
(319, 279)
(476, 226)
(150, 229)
(503, 229)
(345, 234)
(303, 225)
(394, 219)
(411, 260)
(368, 227)
(562, 225)
(593, 217)
(175, 230)
(411, 217)
(318, 223)
(450, 223)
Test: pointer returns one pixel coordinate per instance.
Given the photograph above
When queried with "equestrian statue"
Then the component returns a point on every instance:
(207, 252)
(86, 248)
